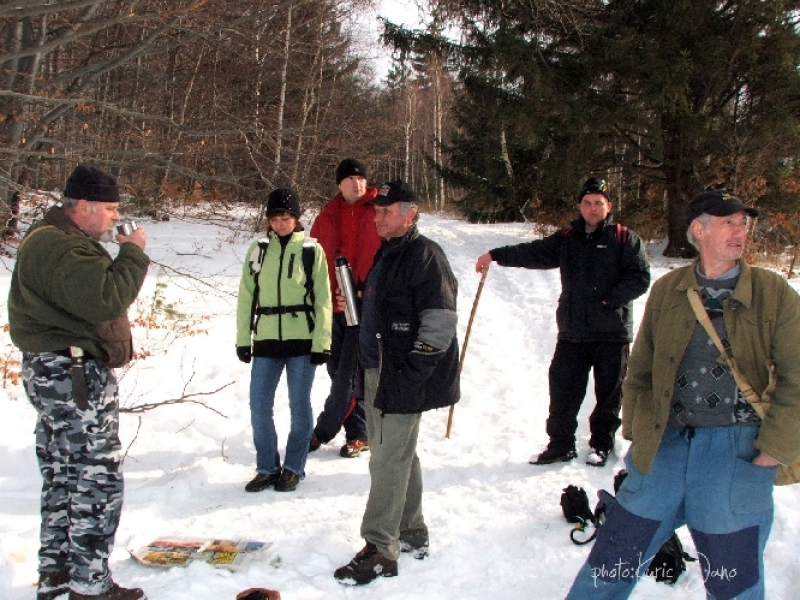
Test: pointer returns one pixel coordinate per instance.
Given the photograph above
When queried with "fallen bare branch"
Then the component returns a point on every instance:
(184, 398)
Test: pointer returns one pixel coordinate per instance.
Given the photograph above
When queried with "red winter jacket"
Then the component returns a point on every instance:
(348, 230)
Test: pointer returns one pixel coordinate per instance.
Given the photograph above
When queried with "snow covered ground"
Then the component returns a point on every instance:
(495, 522)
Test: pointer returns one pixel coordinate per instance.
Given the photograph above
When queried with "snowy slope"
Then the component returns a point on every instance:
(495, 521)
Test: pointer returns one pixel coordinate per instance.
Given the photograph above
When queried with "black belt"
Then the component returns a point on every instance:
(284, 310)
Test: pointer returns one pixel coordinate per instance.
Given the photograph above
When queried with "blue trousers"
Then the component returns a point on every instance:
(706, 481)
(264, 377)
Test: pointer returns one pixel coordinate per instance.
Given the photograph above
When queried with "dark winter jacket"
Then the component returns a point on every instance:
(416, 320)
(348, 230)
(65, 283)
(600, 277)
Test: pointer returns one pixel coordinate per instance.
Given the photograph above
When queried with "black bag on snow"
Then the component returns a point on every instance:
(668, 563)
(575, 505)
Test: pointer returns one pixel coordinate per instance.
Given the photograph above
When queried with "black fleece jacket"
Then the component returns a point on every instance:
(601, 275)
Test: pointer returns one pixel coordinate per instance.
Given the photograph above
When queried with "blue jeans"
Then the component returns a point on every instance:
(705, 481)
(264, 377)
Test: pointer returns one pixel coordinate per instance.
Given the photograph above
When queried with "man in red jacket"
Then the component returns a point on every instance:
(346, 227)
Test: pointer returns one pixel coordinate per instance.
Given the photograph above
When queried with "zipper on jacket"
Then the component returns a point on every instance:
(291, 266)
(380, 368)
(280, 303)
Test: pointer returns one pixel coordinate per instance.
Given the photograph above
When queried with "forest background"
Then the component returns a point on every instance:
(493, 109)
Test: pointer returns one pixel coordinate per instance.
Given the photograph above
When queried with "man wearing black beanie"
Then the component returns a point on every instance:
(346, 227)
(67, 310)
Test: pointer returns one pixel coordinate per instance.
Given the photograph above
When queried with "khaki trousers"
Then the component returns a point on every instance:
(394, 506)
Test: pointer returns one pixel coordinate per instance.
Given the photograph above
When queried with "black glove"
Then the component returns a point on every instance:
(320, 358)
(244, 353)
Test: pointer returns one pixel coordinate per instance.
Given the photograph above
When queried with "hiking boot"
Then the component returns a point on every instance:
(287, 482)
(115, 592)
(554, 455)
(419, 549)
(366, 566)
(52, 585)
(314, 444)
(597, 458)
(261, 482)
(354, 448)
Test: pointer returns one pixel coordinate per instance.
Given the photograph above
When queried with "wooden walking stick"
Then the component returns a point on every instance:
(466, 341)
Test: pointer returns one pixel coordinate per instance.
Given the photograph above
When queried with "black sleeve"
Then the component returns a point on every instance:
(538, 254)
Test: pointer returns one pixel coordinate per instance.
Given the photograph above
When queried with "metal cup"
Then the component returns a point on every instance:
(127, 227)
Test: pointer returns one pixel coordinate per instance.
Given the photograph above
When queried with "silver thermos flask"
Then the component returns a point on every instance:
(344, 277)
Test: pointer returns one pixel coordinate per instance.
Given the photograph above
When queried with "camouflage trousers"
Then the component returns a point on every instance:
(79, 458)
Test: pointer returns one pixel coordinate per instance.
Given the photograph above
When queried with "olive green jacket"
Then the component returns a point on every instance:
(762, 318)
(65, 283)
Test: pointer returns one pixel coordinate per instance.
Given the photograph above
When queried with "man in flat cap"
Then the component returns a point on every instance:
(67, 310)
(409, 352)
(701, 454)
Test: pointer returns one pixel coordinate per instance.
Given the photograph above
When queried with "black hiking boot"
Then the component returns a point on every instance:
(597, 457)
(366, 566)
(555, 455)
(415, 544)
(261, 482)
(115, 592)
(288, 481)
(52, 585)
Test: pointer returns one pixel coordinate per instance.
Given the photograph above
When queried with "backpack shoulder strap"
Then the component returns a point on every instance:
(622, 234)
(256, 259)
(309, 254)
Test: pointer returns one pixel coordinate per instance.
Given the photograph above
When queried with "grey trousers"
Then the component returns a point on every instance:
(394, 506)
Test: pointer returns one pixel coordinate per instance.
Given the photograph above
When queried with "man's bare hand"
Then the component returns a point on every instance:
(484, 260)
(765, 460)
(138, 237)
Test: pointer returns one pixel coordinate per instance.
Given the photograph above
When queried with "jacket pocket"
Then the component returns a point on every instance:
(600, 317)
(117, 341)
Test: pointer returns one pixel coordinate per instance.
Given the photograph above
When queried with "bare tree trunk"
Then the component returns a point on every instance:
(279, 131)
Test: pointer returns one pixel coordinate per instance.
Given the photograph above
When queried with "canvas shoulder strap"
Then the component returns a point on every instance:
(759, 404)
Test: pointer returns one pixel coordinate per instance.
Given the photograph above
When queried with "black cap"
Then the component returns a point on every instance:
(283, 200)
(349, 167)
(90, 183)
(594, 185)
(718, 203)
(394, 191)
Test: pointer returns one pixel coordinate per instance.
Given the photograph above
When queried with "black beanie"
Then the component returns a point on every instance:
(283, 200)
(348, 167)
(594, 185)
(90, 183)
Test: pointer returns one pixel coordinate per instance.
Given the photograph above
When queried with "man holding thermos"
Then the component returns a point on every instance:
(346, 230)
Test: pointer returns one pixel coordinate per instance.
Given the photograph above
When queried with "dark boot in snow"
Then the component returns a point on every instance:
(366, 566)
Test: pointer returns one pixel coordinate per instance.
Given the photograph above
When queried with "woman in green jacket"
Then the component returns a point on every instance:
(283, 322)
